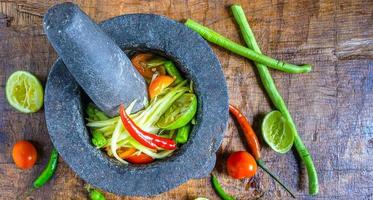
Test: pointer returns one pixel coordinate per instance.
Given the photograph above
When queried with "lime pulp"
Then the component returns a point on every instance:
(277, 132)
(24, 92)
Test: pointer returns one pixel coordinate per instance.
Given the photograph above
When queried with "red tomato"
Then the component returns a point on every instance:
(241, 165)
(139, 62)
(140, 159)
(24, 154)
(159, 84)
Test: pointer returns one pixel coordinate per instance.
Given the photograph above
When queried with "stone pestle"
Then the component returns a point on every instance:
(100, 67)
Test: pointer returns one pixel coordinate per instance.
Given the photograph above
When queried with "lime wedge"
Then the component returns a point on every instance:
(180, 113)
(277, 132)
(24, 92)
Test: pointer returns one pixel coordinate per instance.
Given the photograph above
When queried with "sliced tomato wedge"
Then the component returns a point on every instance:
(159, 84)
(140, 159)
(140, 60)
(124, 152)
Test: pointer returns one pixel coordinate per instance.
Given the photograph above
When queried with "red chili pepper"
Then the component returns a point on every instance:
(147, 139)
(249, 133)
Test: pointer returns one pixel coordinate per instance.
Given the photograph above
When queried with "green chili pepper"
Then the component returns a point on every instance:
(183, 134)
(45, 175)
(48, 171)
(173, 71)
(96, 195)
(98, 138)
(276, 98)
(219, 190)
(218, 39)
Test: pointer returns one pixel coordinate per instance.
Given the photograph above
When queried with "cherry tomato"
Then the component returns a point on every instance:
(159, 84)
(140, 159)
(24, 154)
(241, 165)
(139, 62)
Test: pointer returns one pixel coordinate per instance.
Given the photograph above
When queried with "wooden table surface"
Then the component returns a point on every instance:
(332, 106)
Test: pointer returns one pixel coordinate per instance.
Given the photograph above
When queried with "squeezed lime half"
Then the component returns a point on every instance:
(277, 132)
(24, 92)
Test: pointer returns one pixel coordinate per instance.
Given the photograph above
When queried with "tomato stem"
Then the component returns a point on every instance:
(262, 165)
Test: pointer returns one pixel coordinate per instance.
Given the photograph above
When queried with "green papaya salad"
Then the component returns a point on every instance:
(156, 131)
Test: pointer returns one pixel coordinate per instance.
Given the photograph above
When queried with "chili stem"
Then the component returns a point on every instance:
(218, 39)
(276, 98)
(25, 194)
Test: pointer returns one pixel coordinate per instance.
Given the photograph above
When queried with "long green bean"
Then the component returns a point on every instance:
(276, 98)
(218, 39)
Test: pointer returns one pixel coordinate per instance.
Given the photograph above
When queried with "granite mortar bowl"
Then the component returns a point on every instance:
(65, 102)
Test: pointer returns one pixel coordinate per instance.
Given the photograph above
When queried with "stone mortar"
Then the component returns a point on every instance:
(65, 102)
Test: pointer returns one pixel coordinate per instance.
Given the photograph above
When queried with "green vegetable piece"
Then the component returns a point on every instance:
(180, 113)
(193, 121)
(170, 134)
(277, 100)
(98, 139)
(96, 195)
(48, 171)
(101, 115)
(191, 87)
(183, 134)
(155, 62)
(95, 114)
(90, 112)
(173, 71)
(219, 190)
(218, 39)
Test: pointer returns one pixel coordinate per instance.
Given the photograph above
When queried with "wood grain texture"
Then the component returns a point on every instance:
(332, 106)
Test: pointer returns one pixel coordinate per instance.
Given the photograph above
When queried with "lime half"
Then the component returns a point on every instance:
(24, 92)
(277, 132)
